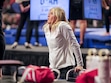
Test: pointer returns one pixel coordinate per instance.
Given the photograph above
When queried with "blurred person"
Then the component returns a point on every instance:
(62, 43)
(95, 23)
(2, 40)
(31, 25)
(9, 16)
(106, 4)
(37, 34)
(76, 15)
(11, 19)
(25, 16)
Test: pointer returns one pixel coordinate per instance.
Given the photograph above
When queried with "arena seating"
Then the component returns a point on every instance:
(94, 37)
(11, 33)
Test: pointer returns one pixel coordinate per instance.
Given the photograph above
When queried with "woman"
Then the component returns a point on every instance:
(25, 16)
(76, 14)
(62, 43)
(106, 4)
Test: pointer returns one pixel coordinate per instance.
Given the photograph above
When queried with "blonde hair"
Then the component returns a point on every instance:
(60, 15)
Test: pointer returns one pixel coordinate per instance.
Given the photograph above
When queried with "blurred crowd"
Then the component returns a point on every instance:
(12, 13)
(10, 16)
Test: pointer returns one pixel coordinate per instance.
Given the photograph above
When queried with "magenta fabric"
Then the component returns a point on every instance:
(42, 74)
(87, 76)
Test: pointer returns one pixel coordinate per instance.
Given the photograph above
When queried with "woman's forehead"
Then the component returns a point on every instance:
(51, 10)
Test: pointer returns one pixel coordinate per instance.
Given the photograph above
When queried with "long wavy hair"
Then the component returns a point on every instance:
(60, 15)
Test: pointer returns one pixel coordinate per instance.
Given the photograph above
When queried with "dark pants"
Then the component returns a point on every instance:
(107, 13)
(24, 17)
(63, 71)
(31, 25)
(2, 41)
(2, 45)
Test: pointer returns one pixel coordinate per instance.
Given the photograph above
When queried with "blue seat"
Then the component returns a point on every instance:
(96, 39)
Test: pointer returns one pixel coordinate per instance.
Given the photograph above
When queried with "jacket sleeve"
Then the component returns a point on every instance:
(68, 34)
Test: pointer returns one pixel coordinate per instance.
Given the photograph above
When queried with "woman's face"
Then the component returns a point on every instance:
(51, 18)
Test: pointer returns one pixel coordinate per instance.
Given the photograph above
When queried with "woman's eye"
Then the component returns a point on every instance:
(51, 13)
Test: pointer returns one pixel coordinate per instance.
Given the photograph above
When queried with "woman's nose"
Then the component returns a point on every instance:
(48, 15)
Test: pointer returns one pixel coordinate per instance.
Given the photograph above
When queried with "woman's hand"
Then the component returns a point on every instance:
(27, 8)
(24, 9)
(107, 7)
(21, 8)
(78, 68)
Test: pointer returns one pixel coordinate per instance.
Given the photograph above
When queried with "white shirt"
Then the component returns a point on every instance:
(62, 44)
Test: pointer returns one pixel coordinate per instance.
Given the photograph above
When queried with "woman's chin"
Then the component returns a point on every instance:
(48, 22)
